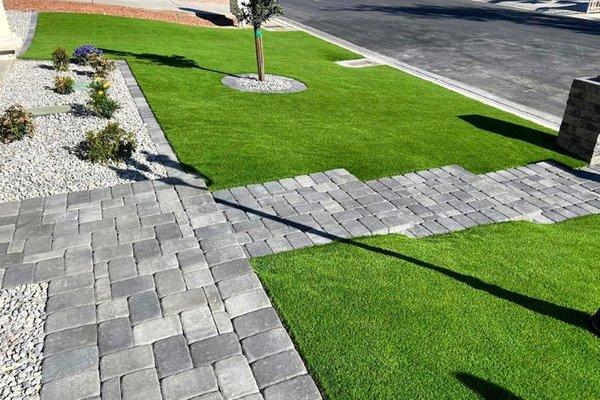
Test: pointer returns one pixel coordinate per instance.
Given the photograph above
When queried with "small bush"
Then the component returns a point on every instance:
(15, 124)
(102, 66)
(64, 84)
(99, 103)
(82, 53)
(112, 143)
(60, 59)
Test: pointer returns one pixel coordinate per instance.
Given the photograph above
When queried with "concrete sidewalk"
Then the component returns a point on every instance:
(195, 7)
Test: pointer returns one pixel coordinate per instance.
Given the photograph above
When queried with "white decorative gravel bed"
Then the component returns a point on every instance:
(18, 21)
(46, 163)
(21, 340)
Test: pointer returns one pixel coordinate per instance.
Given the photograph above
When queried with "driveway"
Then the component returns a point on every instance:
(525, 57)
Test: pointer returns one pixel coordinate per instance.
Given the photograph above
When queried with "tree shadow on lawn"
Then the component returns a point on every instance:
(485, 389)
(515, 131)
(176, 61)
(571, 316)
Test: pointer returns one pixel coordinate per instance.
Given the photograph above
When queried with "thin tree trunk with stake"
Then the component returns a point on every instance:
(260, 58)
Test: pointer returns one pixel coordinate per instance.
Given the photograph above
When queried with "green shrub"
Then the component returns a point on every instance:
(112, 143)
(15, 124)
(60, 59)
(99, 103)
(64, 84)
(102, 66)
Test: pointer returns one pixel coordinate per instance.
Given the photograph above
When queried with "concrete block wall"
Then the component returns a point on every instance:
(580, 127)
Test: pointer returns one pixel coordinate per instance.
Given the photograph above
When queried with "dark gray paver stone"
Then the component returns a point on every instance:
(69, 339)
(18, 275)
(266, 344)
(144, 306)
(277, 368)
(230, 269)
(146, 249)
(126, 361)
(171, 356)
(256, 322)
(141, 385)
(208, 351)
(114, 335)
(69, 363)
(190, 383)
(132, 286)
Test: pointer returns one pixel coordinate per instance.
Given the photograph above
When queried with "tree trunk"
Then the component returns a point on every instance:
(260, 58)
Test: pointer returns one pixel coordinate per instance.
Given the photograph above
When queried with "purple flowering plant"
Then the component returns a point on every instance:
(82, 53)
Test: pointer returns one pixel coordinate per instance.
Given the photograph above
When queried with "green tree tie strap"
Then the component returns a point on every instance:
(258, 33)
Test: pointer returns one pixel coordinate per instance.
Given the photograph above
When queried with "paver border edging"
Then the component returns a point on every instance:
(539, 117)
(165, 153)
(30, 33)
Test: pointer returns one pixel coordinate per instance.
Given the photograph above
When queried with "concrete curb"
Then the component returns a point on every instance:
(544, 119)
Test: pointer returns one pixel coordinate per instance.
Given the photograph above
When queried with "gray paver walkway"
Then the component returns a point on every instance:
(137, 307)
(318, 208)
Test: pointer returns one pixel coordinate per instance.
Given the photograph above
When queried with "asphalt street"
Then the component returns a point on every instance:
(528, 58)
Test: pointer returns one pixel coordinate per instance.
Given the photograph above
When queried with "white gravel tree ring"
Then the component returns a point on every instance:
(272, 84)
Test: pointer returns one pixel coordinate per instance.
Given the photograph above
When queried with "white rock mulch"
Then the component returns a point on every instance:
(47, 163)
(21, 340)
(18, 22)
(271, 84)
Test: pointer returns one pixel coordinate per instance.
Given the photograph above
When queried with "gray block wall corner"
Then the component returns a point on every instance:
(580, 127)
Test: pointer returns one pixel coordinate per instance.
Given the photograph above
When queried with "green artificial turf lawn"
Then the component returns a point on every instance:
(497, 311)
(374, 121)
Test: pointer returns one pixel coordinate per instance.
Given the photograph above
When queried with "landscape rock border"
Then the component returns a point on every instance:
(273, 84)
